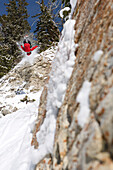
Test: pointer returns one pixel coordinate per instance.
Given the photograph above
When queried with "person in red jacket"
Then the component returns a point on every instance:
(27, 47)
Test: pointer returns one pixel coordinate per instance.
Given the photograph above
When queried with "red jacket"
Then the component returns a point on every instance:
(27, 48)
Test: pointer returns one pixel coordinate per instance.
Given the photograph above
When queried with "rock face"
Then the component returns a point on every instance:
(89, 147)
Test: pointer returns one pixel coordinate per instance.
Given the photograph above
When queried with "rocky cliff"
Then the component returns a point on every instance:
(86, 142)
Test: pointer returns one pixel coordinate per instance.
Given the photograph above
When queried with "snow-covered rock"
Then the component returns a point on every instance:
(28, 77)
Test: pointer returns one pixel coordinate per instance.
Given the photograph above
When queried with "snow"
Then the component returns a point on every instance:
(9, 98)
(62, 67)
(97, 55)
(30, 59)
(73, 5)
(83, 99)
(16, 128)
(49, 53)
(15, 137)
(62, 10)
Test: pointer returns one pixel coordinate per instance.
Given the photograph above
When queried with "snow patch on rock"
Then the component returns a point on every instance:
(97, 55)
(83, 99)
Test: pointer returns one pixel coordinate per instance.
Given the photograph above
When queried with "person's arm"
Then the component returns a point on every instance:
(22, 48)
(34, 47)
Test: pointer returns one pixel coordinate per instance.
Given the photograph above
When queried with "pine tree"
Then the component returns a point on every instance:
(66, 2)
(46, 29)
(14, 25)
(4, 56)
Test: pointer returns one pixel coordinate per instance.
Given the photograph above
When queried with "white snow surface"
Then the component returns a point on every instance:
(15, 137)
(73, 5)
(83, 99)
(62, 67)
(97, 55)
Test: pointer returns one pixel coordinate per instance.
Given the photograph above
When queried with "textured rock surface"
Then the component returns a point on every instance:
(90, 147)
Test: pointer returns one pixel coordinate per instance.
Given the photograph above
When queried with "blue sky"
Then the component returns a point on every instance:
(32, 10)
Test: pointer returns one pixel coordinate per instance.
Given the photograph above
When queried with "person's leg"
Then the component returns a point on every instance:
(30, 43)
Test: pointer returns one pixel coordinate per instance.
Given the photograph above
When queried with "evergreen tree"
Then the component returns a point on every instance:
(46, 29)
(63, 2)
(14, 25)
(66, 3)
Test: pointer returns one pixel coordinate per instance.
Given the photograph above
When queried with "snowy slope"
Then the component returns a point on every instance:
(29, 75)
(15, 137)
(16, 128)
